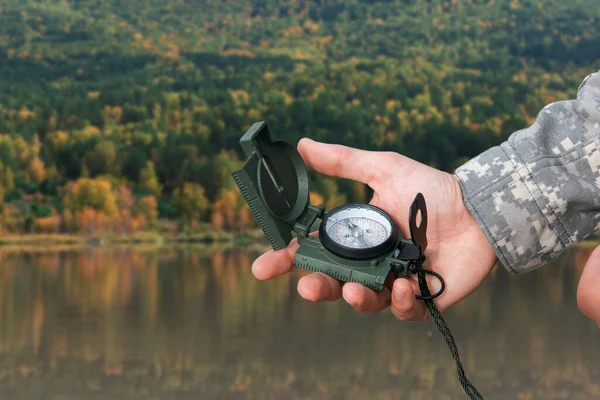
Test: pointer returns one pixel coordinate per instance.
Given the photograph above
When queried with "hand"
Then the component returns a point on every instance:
(457, 248)
(588, 296)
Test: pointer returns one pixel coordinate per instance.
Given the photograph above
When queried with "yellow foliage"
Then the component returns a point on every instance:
(230, 211)
(22, 151)
(239, 95)
(217, 220)
(7, 178)
(147, 44)
(390, 105)
(58, 139)
(146, 207)
(112, 114)
(316, 199)
(295, 30)
(47, 224)
(89, 219)
(93, 94)
(311, 25)
(173, 53)
(299, 55)
(37, 171)
(25, 114)
(36, 146)
(149, 180)
(93, 194)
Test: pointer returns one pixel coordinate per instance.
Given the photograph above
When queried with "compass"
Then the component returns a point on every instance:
(356, 242)
(358, 232)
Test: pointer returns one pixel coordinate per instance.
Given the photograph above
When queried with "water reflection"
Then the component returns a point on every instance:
(191, 322)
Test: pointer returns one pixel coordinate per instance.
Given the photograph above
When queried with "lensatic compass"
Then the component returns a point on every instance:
(355, 243)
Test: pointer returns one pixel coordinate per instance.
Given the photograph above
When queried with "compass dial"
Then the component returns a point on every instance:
(358, 231)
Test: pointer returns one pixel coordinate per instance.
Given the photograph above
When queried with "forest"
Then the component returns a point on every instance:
(120, 117)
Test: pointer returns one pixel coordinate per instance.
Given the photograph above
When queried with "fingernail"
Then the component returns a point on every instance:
(398, 294)
(349, 301)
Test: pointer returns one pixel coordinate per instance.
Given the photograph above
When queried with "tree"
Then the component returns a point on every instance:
(190, 201)
(134, 163)
(36, 170)
(94, 194)
(147, 206)
(225, 163)
(149, 181)
(101, 160)
(7, 178)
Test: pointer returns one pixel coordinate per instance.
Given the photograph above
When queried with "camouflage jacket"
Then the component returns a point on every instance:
(539, 192)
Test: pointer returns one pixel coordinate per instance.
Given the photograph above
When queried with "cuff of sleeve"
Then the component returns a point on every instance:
(514, 215)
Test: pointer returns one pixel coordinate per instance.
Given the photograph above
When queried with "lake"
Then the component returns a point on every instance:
(192, 323)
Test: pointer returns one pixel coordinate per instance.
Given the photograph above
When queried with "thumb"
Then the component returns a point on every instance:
(405, 305)
(588, 295)
(343, 162)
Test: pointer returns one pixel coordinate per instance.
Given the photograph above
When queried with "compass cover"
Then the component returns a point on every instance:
(274, 183)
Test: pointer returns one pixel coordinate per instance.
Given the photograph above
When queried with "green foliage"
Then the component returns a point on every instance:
(136, 160)
(190, 201)
(156, 94)
(40, 210)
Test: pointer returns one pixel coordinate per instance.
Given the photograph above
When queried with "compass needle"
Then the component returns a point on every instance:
(275, 179)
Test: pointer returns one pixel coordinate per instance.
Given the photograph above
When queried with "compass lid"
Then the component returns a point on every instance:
(274, 182)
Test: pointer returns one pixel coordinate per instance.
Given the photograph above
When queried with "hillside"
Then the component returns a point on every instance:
(114, 115)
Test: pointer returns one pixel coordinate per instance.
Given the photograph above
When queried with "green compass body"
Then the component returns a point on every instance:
(355, 243)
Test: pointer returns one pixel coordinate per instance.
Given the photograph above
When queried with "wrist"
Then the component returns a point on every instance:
(474, 230)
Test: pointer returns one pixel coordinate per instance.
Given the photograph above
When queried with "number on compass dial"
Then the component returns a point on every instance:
(357, 231)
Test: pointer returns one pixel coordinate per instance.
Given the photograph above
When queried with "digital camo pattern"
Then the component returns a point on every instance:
(539, 192)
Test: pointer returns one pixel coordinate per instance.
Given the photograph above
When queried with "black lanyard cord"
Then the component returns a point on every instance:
(436, 315)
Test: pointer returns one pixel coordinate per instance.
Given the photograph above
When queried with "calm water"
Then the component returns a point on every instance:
(192, 323)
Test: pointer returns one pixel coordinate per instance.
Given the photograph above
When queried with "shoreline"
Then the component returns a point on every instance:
(248, 238)
(208, 238)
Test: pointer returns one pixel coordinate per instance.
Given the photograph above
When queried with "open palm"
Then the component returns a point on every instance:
(457, 248)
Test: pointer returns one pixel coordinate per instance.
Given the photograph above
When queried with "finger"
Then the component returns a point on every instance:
(342, 161)
(364, 299)
(275, 263)
(405, 305)
(588, 296)
(319, 287)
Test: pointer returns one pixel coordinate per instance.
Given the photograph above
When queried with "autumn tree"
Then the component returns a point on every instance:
(101, 159)
(149, 181)
(190, 201)
(230, 211)
(95, 194)
(37, 172)
(7, 178)
(146, 206)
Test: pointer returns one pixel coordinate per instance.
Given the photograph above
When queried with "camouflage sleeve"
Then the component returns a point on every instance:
(539, 192)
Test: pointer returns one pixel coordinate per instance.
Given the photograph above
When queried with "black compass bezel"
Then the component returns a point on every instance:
(350, 253)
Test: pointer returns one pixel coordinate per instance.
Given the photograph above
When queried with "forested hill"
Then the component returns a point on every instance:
(114, 113)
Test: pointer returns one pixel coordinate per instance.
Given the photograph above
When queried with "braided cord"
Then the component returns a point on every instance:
(445, 331)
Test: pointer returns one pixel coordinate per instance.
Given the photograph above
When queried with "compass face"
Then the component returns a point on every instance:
(358, 231)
